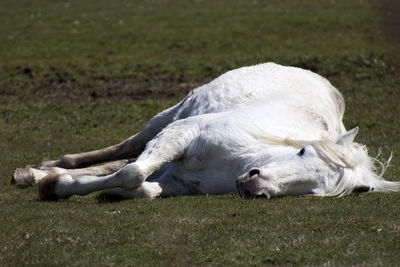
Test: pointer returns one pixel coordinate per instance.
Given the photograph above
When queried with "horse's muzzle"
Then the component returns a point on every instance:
(248, 185)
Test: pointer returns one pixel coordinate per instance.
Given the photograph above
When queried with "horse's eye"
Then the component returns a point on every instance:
(301, 152)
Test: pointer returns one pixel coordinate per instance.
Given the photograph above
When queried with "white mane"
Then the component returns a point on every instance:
(356, 168)
(355, 165)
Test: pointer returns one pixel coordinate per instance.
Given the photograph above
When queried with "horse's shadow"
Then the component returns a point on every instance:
(109, 198)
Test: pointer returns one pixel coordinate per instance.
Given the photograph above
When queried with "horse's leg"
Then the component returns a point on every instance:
(31, 175)
(168, 146)
(129, 148)
(145, 190)
(164, 186)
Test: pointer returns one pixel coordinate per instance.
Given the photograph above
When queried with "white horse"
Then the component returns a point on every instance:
(265, 130)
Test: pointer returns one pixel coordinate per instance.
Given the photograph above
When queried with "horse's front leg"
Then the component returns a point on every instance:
(55, 186)
(32, 175)
(168, 146)
(166, 185)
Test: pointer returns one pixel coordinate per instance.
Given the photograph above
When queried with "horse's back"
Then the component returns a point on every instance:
(261, 82)
(270, 88)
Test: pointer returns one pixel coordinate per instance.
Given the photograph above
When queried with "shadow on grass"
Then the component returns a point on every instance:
(109, 198)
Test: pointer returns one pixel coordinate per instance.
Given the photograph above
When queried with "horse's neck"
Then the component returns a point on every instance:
(283, 122)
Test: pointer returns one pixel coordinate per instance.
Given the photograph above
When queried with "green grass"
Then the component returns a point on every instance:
(182, 37)
(47, 43)
(68, 72)
(203, 230)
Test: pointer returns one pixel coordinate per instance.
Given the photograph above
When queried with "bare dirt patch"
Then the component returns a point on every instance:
(66, 89)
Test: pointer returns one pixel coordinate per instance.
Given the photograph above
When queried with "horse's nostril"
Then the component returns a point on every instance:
(254, 172)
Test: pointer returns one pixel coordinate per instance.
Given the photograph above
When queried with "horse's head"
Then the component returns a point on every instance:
(319, 168)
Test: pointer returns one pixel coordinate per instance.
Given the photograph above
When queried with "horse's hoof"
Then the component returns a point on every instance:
(46, 187)
(22, 177)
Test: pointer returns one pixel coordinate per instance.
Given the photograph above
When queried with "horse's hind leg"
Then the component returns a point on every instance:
(129, 148)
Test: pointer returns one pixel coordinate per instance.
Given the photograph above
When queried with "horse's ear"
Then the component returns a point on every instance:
(348, 137)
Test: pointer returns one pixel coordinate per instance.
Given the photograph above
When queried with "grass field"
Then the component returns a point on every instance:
(80, 75)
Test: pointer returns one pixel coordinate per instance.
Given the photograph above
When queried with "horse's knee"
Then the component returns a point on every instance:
(68, 162)
(131, 176)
